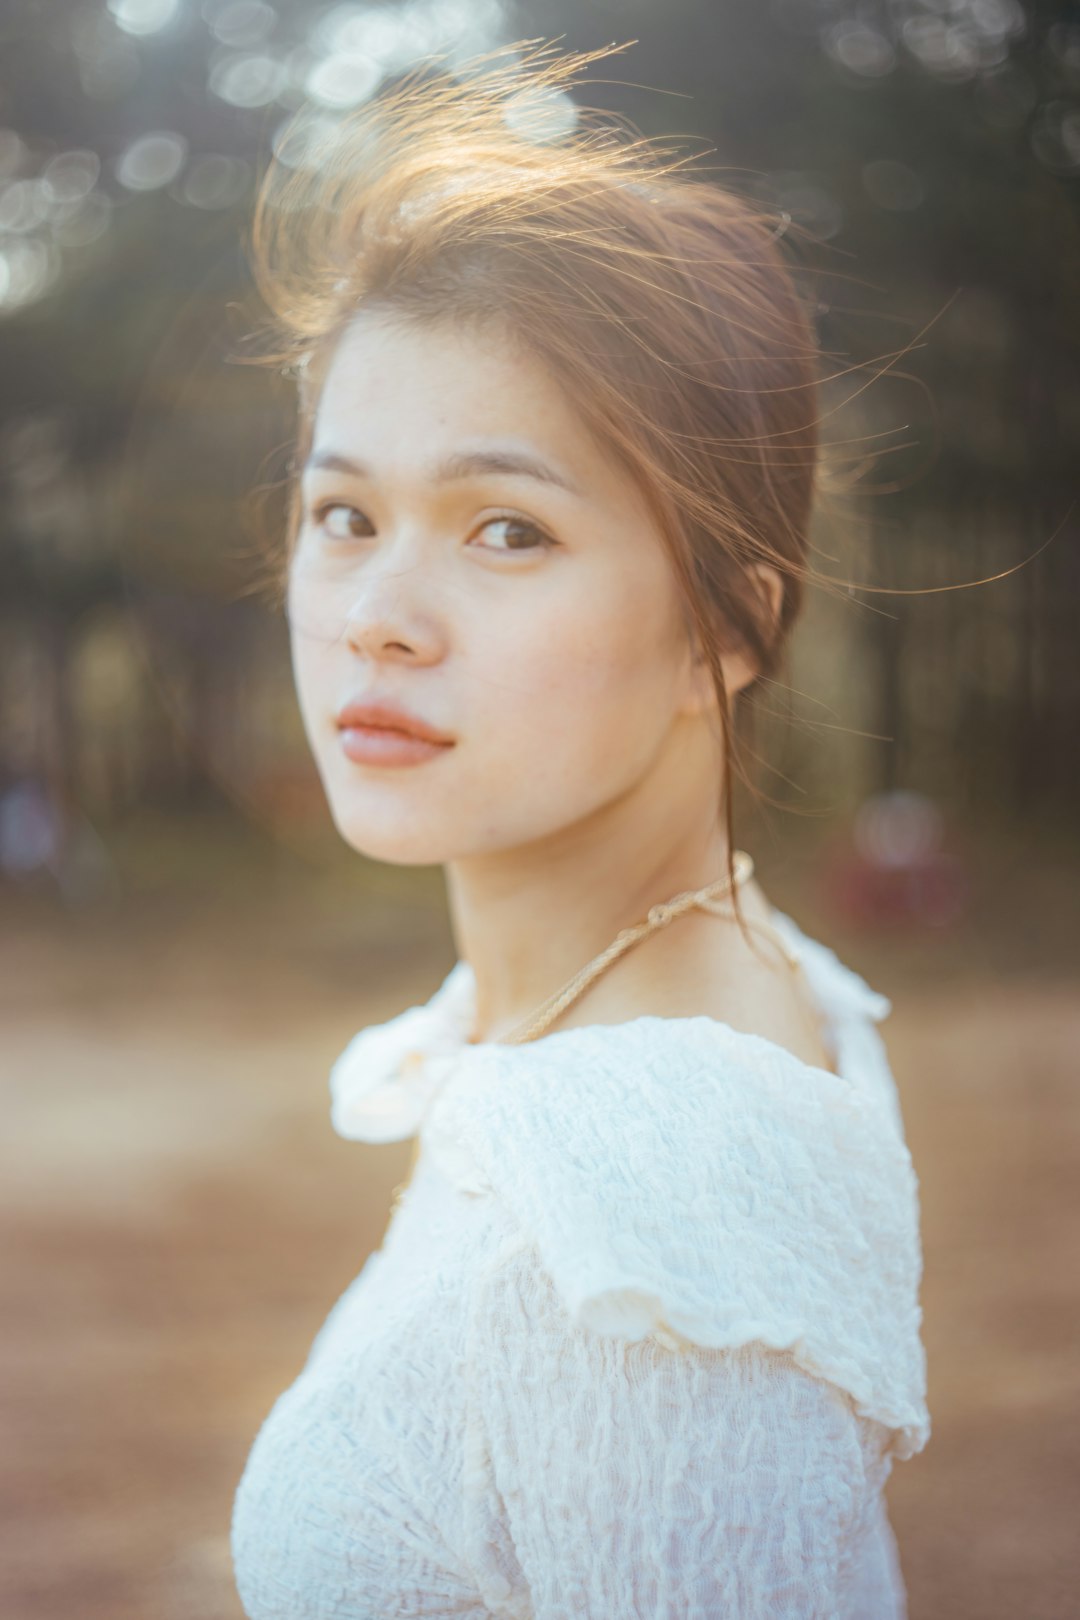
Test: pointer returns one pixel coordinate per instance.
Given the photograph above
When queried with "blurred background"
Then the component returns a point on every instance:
(186, 944)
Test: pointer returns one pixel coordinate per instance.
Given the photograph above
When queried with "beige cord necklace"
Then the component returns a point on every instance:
(658, 916)
(707, 899)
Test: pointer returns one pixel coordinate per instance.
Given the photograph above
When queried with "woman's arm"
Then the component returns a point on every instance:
(644, 1483)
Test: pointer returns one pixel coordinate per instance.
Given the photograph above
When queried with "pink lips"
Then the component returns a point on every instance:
(380, 734)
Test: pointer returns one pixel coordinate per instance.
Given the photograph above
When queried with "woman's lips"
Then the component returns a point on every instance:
(381, 745)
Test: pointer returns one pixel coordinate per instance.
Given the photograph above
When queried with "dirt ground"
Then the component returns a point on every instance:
(180, 1216)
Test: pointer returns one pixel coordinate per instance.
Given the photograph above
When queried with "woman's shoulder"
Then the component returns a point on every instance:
(682, 1180)
(663, 1109)
(679, 1178)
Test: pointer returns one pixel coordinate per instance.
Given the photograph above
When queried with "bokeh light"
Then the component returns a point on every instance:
(143, 17)
(151, 161)
(241, 23)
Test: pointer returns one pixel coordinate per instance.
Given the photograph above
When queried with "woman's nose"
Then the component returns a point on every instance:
(385, 621)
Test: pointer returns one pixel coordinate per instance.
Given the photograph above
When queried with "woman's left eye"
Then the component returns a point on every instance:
(542, 541)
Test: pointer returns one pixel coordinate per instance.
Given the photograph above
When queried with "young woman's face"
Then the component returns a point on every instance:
(530, 616)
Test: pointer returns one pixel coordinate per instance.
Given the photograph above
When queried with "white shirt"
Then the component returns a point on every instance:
(642, 1341)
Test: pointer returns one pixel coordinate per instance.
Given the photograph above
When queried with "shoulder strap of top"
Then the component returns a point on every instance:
(841, 990)
(852, 1010)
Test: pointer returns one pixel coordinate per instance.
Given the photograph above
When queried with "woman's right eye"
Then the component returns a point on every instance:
(342, 531)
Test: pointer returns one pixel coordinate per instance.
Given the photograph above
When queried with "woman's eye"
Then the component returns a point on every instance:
(341, 521)
(540, 540)
(344, 528)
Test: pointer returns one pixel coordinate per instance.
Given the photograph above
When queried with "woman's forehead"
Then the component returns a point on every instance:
(475, 401)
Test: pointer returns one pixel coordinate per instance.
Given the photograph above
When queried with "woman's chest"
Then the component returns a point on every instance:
(351, 1499)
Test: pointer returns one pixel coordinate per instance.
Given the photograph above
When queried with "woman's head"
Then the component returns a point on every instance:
(531, 614)
(447, 283)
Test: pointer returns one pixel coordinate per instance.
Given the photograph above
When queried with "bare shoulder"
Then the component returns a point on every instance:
(703, 964)
(771, 999)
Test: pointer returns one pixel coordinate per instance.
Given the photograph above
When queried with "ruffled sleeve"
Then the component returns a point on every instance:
(610, 1479)
(383, 1082)
(684, 1181)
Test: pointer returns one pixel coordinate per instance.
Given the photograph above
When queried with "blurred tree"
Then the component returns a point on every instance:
(931, 149)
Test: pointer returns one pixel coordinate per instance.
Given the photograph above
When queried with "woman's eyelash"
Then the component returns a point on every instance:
(321, 512)
(546, 542)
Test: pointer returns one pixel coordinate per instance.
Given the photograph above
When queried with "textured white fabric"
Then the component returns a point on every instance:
(642, 1339)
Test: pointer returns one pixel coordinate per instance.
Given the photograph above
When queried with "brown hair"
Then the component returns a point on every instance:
(662, 301)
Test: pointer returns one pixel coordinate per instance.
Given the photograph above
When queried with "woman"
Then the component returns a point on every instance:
(642, 1338)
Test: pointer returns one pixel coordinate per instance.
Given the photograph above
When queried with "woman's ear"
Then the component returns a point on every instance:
(740, 667)
(737, 664)
(772, 582)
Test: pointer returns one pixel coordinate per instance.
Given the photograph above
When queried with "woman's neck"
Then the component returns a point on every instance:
(528, 919)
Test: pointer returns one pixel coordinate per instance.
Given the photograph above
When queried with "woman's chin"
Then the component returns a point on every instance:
(398, 846)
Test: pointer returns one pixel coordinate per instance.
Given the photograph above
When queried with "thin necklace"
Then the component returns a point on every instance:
(658, 916)
(707, 899)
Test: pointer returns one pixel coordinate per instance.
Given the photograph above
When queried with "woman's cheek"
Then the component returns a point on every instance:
(582, 697)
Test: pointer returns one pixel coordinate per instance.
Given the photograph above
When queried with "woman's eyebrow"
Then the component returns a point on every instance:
(510, 463)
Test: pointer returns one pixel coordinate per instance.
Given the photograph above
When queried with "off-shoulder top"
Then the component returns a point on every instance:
(641, 1342)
